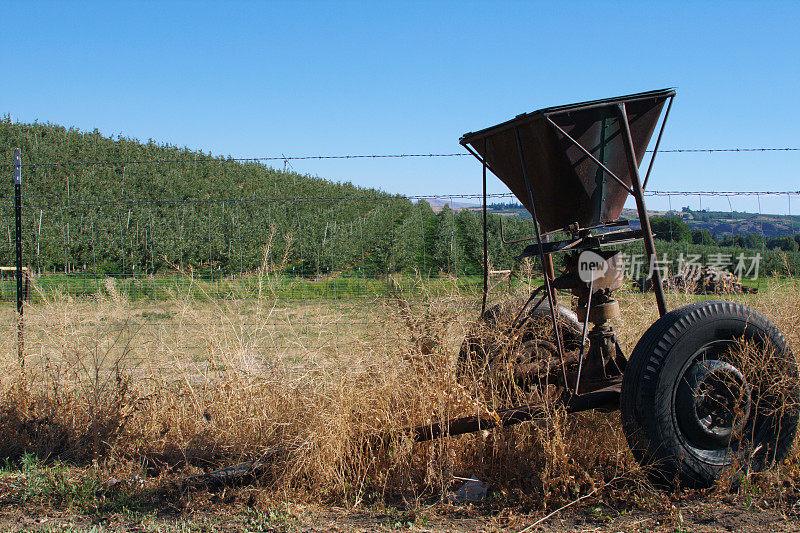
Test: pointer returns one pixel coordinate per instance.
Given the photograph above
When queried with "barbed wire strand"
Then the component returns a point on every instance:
(55, 201)
(285, 159)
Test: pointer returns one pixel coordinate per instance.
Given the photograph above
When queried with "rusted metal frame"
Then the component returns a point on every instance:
(598, 208)
(607, 398)
(583, 337)
(614, 224)
(650, 95)
(515, 323)
(658, 143)
(585, 151)
(485, 241)
(550, 273)
(583, 243)
(644, 220)
(564, 248)
(471, 424)
(549, 268)
(521, 119)
(548, 284)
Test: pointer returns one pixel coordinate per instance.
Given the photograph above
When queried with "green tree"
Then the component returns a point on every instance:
(671, 228)
(785, 243)
(469, 238)
(702, 236)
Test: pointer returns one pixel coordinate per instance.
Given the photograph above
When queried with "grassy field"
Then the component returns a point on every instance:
(120, 397)
(185, 285)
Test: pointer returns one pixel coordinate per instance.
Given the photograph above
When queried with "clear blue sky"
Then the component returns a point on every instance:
(256, 79)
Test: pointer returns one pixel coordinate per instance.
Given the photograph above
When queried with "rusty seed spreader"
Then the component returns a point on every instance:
(692, 403)
(710, 387)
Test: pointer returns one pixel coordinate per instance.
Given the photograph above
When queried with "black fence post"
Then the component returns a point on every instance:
(18, 238)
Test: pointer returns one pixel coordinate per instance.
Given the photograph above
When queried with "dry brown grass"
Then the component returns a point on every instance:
(209, 383)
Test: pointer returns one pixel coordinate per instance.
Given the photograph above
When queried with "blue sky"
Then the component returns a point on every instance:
(254, 79)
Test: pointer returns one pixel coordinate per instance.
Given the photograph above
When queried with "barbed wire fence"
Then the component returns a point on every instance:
(96, 229)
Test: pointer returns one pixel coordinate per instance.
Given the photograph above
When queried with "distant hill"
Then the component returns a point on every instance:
(438, 203)
(122, 206)
(719, 223)
(509, 209)
(739, 223)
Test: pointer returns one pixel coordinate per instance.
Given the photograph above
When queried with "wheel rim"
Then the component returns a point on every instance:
(713, 402)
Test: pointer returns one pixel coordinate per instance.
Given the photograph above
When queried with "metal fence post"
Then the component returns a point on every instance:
(18, 238)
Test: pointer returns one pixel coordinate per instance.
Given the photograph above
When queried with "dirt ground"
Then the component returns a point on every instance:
(695, 517)
(244, 509)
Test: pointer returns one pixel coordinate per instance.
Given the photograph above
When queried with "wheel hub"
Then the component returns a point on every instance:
(713, 403)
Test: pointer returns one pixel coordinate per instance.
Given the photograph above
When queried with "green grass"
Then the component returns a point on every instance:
(57, 484)
(166, 287)
(178, 285)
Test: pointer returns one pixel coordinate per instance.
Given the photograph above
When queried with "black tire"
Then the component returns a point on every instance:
(493, 338)
(711, 388)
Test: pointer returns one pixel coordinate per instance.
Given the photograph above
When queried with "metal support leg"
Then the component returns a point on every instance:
(644, 220)
(485, 239)
(550, 290)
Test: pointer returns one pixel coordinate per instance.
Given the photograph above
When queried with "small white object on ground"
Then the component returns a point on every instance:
(473, 490)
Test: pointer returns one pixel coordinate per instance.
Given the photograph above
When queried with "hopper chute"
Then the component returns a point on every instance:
(561, 148)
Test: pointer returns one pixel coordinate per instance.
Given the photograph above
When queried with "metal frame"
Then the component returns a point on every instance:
(551, 295)
(636, 190)
(588, 153)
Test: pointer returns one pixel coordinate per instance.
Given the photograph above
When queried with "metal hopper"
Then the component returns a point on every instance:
(562, 149)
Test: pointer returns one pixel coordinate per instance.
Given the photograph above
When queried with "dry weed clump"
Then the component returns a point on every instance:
(72, 395)
(216, 381)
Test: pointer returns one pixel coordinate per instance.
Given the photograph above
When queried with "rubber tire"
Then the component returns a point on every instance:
(505, 312)
(657, 362)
